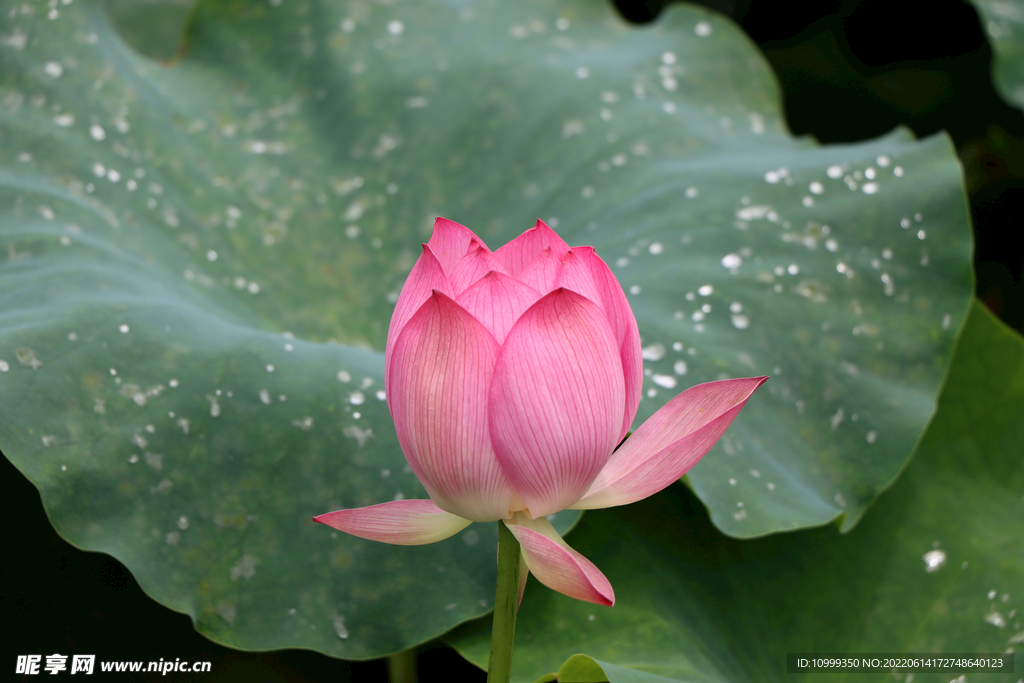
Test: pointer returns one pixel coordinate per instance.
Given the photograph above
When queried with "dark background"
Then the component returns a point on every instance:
(850, 70)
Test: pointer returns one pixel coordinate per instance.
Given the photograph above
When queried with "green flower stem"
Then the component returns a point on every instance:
(402, 666)
(506, 597)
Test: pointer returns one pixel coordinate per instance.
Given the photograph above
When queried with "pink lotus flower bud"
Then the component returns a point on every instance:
(511, 377)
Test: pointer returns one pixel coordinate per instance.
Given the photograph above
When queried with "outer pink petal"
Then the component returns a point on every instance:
(440, 376)
(426, 276)
(400, 522)
(556, 401)
(518, 253)
(498, 301)
(620, 316)
(542, 271)
(668, 444)
(450, 242)
(477, 262)
(558, 566)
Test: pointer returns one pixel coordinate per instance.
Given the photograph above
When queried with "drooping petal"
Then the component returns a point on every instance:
(497, 301)
(477, 262)
(450, 242)
(556, 400)
(668, 444)
(518, 253)
(524, 574)
(439, 377)
(585, 272)
(542, 271)
(426, 276)
(399, 522)
(556, 565)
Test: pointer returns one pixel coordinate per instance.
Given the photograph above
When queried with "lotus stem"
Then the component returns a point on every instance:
(506, 597)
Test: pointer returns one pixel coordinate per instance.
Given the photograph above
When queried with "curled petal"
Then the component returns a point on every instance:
(450, 242)
(440, 375)
(426, 276)
(524, 574)
(556, 565)
(521, 251)
(498, 301)
(477, 262)
(400, 522)
(556, 401)
(585, 272)
(668, 444)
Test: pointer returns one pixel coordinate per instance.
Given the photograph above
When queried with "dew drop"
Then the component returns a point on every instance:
(996, 619)
(667, 381)
(731, 261)
(653, 352)
(27, 356)
(933, 560)
(705, 290)
(702, 29)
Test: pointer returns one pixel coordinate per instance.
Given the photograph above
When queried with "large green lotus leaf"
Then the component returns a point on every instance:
(201, 261)
(936, 566)
(1003, 21)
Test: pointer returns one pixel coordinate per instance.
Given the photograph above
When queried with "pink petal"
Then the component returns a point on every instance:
(668, 444)
(518, 253)
(439, 378)
(556, 401)
(477, 262)
(400, 522)
(542, 272)
(524, 574)
(497, 301)
(585, 272)
(558, 566)
(426, 276)
(450, 242)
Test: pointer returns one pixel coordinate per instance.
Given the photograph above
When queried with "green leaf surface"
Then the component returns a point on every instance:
(200, 263)
(936, 565)
(1003, 22)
